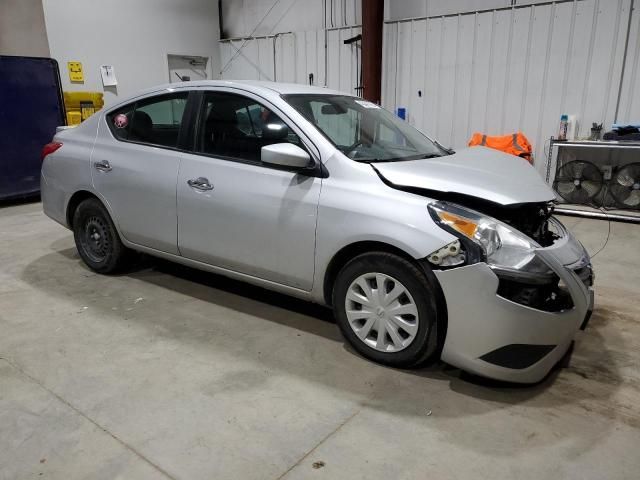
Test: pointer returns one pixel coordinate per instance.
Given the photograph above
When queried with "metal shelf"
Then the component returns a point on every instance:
(580, 211)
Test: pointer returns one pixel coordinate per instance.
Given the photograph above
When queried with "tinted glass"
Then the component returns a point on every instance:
(362, 130)
(155, 120)
(238, 127)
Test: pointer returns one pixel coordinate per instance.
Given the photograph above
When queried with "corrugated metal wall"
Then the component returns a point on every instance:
(513, 69)
(242, 18)
(492, 71)
(629, 105)
(297, 55)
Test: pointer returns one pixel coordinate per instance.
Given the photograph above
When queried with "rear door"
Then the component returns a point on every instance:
(135, 164)
(236, 212)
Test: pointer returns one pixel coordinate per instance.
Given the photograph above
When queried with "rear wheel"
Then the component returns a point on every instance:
(96, 237)
(386, 308)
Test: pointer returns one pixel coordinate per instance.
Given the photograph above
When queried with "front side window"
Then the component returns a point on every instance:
(362, 130)
(238, 127)
(155, 120)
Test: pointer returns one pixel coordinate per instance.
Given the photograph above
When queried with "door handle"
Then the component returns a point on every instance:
(200, 183)
(103, 166)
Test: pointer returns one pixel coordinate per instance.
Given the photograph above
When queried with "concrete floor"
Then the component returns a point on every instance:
(167, 372)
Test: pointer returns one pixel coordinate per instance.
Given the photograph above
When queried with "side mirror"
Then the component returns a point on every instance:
(286, 155)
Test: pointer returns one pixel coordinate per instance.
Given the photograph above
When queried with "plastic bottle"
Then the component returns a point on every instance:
(564, 126)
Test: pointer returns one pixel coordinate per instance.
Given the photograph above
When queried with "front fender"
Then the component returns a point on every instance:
(347, 216)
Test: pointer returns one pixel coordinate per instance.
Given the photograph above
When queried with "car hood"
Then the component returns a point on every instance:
(479, 172)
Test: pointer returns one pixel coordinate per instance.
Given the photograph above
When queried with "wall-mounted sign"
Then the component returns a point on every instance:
(108, 76)
(75, 72)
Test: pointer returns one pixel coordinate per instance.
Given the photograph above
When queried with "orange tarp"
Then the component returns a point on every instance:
(515, 144)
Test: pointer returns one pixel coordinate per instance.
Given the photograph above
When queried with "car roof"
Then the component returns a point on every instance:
(256, 86)
(253, 85)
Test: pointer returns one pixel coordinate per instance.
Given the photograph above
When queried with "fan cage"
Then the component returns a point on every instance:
(579, 182)
(609, 197)
(625, 186)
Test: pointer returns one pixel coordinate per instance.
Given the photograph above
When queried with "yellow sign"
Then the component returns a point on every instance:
(75, 71)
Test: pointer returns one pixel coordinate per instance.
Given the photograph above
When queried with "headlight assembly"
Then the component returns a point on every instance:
(504, 248)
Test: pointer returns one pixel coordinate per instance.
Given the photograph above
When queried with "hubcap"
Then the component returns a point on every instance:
(95, 239)
(381, 312)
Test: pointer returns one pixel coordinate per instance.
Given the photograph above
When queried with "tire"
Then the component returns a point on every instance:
(416, 337)
(97, 239)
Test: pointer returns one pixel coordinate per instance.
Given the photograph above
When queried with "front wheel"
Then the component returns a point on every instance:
(96, 237)
(386, 309)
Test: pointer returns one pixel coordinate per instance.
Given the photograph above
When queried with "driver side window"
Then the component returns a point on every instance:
(237, 127)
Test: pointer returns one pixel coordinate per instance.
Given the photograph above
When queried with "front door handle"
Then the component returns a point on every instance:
(200, 183)
(103, 166)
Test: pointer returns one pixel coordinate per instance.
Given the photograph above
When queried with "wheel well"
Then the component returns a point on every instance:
(74, 201)
(349, 252)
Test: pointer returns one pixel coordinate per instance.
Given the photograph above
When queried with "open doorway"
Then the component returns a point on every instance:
(188, 68)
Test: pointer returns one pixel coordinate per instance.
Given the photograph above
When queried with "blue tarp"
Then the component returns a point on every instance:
(31, 107)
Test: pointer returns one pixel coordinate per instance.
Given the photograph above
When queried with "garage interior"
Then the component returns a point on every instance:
(164, 371)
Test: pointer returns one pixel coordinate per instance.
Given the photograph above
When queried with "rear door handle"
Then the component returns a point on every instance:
(103, 166)
(200, 183)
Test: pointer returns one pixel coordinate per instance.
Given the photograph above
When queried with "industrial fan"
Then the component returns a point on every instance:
(578, 182)
(625, 186)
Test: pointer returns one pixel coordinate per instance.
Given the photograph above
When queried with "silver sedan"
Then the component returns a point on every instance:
(422, 252)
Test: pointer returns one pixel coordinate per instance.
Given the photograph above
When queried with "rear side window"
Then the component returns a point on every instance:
(154, 121)
(119, 121)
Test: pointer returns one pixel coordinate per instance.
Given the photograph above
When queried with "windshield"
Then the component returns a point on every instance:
(362, 130)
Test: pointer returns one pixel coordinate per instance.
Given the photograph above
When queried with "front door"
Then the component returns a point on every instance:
(135, 165)
(236, 213)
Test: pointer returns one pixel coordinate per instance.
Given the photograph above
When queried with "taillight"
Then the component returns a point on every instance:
(49, 148)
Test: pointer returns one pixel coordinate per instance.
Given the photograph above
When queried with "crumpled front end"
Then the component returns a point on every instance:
(517, 329)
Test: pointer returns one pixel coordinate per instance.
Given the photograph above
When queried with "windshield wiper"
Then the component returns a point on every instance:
(367, 160)
(398, 159)
(419, 156)
(449, 151)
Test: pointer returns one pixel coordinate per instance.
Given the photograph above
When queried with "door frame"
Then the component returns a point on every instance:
(196, 120)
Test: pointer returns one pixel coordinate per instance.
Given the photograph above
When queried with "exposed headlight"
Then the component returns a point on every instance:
(503, 247)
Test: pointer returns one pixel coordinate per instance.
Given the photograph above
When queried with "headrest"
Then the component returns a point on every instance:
(141, 125)
(221, 113)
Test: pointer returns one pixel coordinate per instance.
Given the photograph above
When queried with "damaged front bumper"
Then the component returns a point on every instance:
(497, 337)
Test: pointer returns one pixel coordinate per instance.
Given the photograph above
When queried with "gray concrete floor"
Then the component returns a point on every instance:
(166, 372)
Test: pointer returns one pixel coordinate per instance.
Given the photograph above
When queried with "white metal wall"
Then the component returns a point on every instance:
(297, 55)
(513, 69)
(242, 18)
(402, 9)
(629, 104)
(493, 71)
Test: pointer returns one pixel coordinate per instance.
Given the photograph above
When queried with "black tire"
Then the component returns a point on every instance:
(97, 239)
(422, 287)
